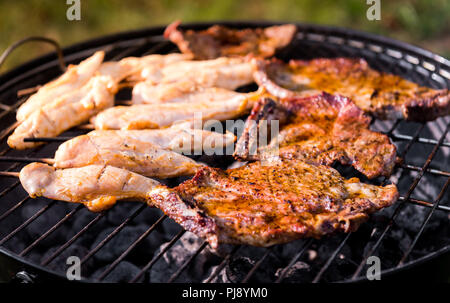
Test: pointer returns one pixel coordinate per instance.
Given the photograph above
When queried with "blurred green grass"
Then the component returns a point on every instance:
(421, 22)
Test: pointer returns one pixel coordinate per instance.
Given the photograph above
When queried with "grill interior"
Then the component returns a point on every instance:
(135, 243)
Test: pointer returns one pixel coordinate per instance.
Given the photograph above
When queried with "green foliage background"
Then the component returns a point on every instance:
(421, 22)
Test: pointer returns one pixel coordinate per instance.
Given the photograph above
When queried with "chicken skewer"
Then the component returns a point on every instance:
(152, 153)
(65, 112)
(183, 92)
(75, 77)
(255, 204)
(143, 116)
(98, 187)
(229, 73)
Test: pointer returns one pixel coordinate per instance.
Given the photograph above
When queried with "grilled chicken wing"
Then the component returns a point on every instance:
(98, 187)
(385, 96)
(65, 112)
(218, 41)
(143, 116)
(180, 138)
(323, 129)
(263, 205)
(75, 77)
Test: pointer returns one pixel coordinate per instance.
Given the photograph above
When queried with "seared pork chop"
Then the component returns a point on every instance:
(263, 205)
(383, 95)
(218, 40)
(322, 129)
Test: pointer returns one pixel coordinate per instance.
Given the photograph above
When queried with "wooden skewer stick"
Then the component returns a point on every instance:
(86, 126)
(27, 91)
(26, 159)
(9, 174)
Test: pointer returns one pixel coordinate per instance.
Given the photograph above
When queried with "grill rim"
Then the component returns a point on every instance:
(102, 42)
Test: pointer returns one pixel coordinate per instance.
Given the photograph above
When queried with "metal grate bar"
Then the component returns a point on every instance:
(427, 219)
(399, 207)
(424, 203)
(130, 248)
(48, 232)
(27, 222)
(293, 260)
(330, 259)
(420, 139)
(257, 265)
(113, 233)
(187, 262)
(158, 256)
(429, 170)
(75, 237)
(222, 264)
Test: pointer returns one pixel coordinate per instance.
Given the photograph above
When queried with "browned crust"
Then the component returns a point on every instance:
(218, 40)
(383, 95)
(286, 217)
(323, 129)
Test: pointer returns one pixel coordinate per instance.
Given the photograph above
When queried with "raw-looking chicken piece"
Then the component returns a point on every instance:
(322, 129)
(65, 112)
(141, 157)
(75, 77)
(98, 187)
(139, 68)
(229, 73)
(143, 116)
(180, 138)
(269, 204)
(184, 91)
(221, 41)
(383, 95)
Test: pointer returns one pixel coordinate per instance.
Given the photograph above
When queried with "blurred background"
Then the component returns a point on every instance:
(422, 22)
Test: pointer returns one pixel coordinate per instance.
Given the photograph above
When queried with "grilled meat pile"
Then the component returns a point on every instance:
(289, 191)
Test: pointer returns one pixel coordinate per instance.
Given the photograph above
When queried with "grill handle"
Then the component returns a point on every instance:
(15, 45)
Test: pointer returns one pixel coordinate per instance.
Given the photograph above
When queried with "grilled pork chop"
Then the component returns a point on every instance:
(383, 95)
(323, 129)
(263, 205)
(218, 40)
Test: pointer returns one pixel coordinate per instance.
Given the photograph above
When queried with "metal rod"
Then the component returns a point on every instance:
(113, 233)
(187, 262)
(159, 255)
(26, 159)
(257, 265)
(130, 248)
(297, 256)
(222, 264)
(59, 51)
(399, 207)
(425, 222)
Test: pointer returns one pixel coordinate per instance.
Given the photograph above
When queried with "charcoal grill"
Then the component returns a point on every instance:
(135, 243)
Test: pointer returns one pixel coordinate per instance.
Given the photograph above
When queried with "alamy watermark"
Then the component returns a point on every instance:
(73, 272)
(374, 11)
(73, 12)
(374, 270)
